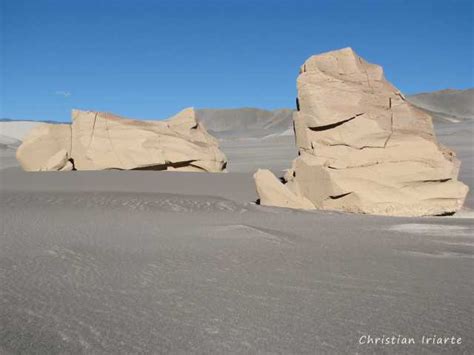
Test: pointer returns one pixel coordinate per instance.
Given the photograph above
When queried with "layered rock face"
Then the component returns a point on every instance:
(97, 141)
(362, 147)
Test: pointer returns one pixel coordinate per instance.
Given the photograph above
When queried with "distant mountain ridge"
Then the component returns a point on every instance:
(248, 122)
(15, 120)
(445, 106)
(448, 105)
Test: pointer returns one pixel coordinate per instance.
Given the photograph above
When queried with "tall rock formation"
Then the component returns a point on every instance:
(97, 141)
(362, 147)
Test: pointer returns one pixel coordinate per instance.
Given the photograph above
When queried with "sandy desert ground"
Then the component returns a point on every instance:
(157, 262)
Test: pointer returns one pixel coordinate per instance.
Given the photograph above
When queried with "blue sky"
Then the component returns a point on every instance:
(149, 59)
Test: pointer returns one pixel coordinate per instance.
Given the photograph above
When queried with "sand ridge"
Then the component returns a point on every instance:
(120, 269)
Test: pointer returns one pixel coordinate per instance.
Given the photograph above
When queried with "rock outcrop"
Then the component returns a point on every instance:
(362, 147)
(97, 141)
(272, 192)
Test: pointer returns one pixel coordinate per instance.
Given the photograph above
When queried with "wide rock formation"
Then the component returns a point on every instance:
(97, 141)
(362, 147)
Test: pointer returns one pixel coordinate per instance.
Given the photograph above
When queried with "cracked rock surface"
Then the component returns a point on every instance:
(362, 147)
(98, 141)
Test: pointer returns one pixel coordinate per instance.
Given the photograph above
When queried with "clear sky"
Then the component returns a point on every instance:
(150, 59)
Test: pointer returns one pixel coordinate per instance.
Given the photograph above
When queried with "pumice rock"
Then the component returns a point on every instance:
(97, 141)
(362, 147)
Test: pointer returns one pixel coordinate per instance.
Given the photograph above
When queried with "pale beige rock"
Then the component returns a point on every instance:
(57, 162)
(363, 148)
(273, 193)
(67, 167)
(41, 144)
(100, 141)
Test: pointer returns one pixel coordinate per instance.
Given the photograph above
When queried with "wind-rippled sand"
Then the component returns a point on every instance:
(157, 262)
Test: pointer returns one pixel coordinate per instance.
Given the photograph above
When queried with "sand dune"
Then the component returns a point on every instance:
(11, 135)
(17, 129)
(137, 262)
(166, 262)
